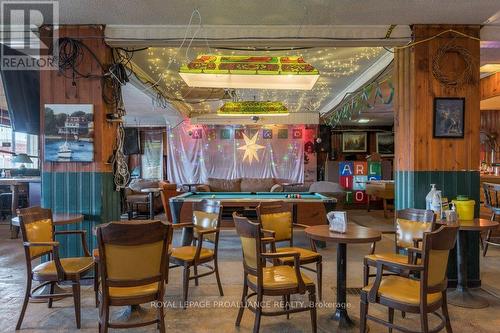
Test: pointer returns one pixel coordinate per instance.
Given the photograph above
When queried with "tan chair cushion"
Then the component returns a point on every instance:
(77, 265)
(186, 253)
(39, 231)
(402, 290)
(392, 257)
(126, 292)
(305, 254)
(279, 277)
(280, 223)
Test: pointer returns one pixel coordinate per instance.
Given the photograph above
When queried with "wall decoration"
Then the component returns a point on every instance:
(453, 79)
(297, 133)
(251, 148)
(449, 117)
(197, 133)
(267, 133)
(354, 142)
(212, 134)
(353, 176)
(238, 134)
(283, 133)
(69, 132)
(385, 144)
(225, 134)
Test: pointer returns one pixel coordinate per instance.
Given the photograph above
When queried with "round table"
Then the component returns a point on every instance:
(462, 296)
(151, 191)
(354, 234)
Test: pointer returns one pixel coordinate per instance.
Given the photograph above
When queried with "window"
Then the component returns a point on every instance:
(16, 142)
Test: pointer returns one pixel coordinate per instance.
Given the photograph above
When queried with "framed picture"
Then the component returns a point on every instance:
(354, 142)
(385, 144)
(337, 221)
(449, 117)
(69, 132)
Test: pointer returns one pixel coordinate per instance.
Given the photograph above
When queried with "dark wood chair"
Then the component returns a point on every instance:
(38, 235)
(206, 227)
(424, 296)
(168, 191)
(491, 201)
(410, 226)
(276, 219)
(133, 267)
(281, 280)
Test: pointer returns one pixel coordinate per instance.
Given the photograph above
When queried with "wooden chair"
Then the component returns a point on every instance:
(38, 235)
(168, 191)
(282, 280)
(424, 296)
(133, 268)
(206, 225)
(411, 224)
(276, 219)
(491, 201)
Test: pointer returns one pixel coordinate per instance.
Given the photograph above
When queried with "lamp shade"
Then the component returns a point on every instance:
(251, 72)
(22, 158)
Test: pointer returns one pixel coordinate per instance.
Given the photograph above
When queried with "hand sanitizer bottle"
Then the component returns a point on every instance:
(437, 204)
(430, 195)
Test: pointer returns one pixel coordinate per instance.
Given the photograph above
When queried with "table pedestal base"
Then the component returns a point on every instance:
(467, 299)
(339, 323)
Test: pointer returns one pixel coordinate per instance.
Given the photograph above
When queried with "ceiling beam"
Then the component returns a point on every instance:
(256, 35)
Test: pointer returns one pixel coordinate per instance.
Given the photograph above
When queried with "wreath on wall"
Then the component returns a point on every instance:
(453, 79)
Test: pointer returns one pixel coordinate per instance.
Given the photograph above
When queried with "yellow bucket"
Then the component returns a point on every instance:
(465, 209)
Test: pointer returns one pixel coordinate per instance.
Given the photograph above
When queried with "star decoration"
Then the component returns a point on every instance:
(251, 148)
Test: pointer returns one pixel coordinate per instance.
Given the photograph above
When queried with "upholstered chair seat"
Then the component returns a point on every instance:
(305, 254)
(71, 267)
(279, 277)
(130, 292)
(188, 253)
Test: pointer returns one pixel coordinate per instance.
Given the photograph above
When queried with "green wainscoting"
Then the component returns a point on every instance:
(411, 188)
(89, 193)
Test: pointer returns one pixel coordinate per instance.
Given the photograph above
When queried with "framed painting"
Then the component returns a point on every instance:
(354, 142)
(385, 144)
(449, 117)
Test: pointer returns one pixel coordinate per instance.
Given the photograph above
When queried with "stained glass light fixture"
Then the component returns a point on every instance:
(253, 108)
(252, 72)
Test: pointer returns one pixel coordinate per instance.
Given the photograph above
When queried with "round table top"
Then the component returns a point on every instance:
(354, 234)
(58, 219)
(474, 225)
(151, 189)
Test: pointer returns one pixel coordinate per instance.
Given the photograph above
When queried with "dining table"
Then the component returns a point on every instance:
(354, 234)
(462, 296)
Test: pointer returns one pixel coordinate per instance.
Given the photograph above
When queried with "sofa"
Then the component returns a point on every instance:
(242, 185)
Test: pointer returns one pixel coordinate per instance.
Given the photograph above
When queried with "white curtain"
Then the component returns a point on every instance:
(196, 153)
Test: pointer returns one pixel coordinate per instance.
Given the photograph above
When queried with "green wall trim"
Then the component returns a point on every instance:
(411, 188)
(89, 193)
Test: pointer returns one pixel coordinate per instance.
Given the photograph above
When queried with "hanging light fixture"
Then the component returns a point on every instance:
(253, 108)
(252, 72)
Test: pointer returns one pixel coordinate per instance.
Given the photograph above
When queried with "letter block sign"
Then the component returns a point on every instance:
(374, 169)
(346, 182)
(359, 197)
(346, 168)
(349, 197)
(360, 169)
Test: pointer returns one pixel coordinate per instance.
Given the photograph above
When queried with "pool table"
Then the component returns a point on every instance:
(250, 200)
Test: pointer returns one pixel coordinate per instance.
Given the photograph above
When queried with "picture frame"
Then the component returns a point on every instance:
(69, 132)
(449, 117)
(385, 143)
(354, 142)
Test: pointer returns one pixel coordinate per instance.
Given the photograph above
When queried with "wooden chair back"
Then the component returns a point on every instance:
(491, 194)
(133, 254)
(411, 224)
(36, 226)
(436, 249)
(207, 214)
(277, 216)
(250, 233)
(167, 191)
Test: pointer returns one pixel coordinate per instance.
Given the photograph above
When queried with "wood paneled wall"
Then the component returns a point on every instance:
(416, 87)
(57, 88)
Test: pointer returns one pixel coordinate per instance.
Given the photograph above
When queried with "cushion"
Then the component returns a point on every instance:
(392, 257)
(186, 253)
(305, 254)
(224, 185)
(70, 266)
(402, 290)
(279, 277)
(127, 292)
(256, 184)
